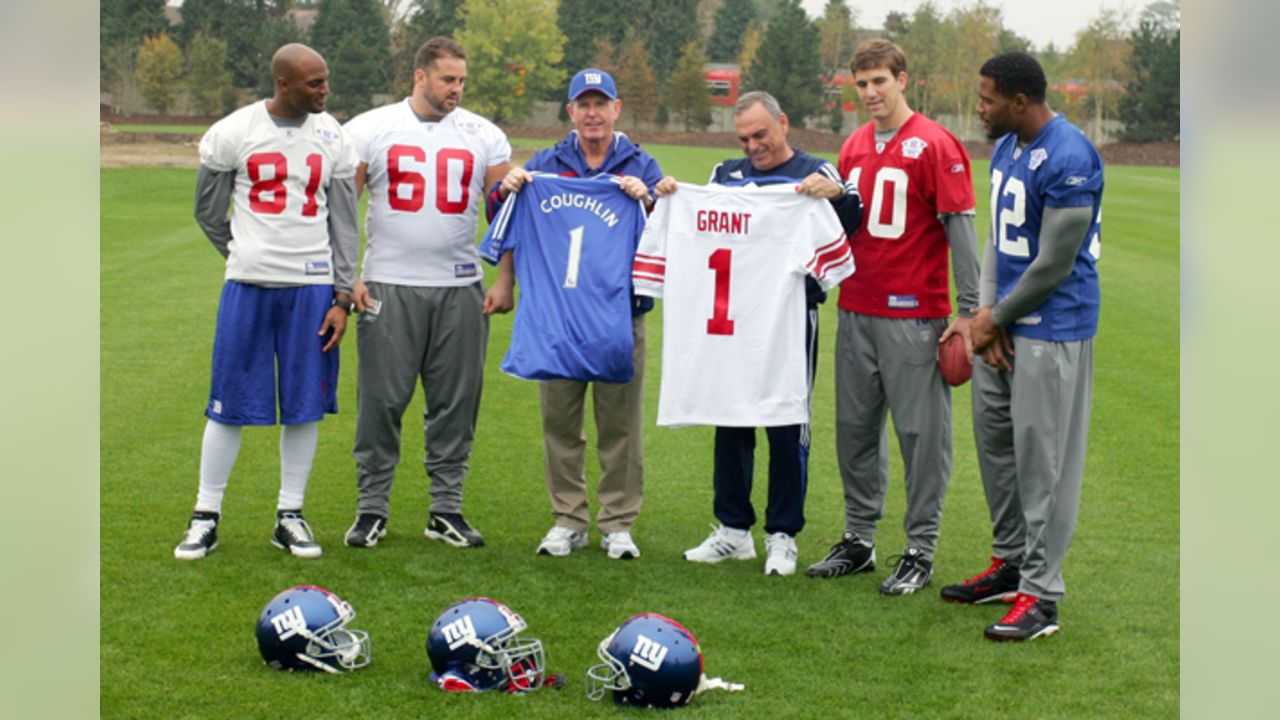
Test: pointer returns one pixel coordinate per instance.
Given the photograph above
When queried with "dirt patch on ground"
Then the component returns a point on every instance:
(119, 149)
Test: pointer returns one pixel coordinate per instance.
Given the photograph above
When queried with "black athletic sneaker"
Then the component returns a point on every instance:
(292, 533)
(998, 582)
(367, 530)
(850, 555)
(201, 537)
(452, 528)
(912, 572)
(1029, 619)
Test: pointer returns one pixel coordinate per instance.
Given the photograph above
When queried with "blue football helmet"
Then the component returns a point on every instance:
(649, 661)
(305, 628)
(474, 646)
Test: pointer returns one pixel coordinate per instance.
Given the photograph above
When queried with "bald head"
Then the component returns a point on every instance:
(302, 81)
(289, 58)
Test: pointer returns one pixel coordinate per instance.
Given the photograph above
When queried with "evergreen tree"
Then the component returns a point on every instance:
(158, 72)
(352, 36)
(424, 20)
(122, 24)
(687, 97)
(243, 25)
(208, 80)
(787, 63)
(637, 85)
(584, 23)
(667, 27)
(515, 50)
(1150, 107)
(732, 20)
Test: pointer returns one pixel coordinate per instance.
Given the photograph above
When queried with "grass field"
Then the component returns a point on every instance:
(177, 640)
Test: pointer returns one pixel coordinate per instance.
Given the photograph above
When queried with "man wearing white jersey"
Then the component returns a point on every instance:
(424, 309)
(290, 246)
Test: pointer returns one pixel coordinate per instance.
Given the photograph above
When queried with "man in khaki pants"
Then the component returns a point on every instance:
(591, 149)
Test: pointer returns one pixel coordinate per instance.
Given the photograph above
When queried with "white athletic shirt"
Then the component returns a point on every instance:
(424, 181)
(729, 264)
(279, 222)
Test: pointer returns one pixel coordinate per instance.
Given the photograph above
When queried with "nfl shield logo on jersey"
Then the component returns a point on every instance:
(912, 147)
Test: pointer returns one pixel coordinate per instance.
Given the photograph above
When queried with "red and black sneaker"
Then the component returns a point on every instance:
(1030, 618)
(998, 582)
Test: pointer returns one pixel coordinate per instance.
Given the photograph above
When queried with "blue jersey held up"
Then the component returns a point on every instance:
(574, 241)
(1059, 168)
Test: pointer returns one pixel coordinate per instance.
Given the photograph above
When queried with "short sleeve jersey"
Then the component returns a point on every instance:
(574, 240)
(729, 264)
(901, 245)
(1059, 168)
(425, 180)
(279, 220)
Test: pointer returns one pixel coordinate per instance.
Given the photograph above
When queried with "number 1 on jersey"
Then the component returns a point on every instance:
(721, 261)
(575, 257)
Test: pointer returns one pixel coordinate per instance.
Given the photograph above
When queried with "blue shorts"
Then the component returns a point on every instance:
(259, 331)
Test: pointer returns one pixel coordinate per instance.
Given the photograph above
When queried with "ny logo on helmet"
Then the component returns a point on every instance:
(647, 653)
(459, 632)
(289, 623)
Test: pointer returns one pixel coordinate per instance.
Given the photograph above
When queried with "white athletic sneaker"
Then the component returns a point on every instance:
(620, 546)
(724, 542)
(561, 541)
(780, 551)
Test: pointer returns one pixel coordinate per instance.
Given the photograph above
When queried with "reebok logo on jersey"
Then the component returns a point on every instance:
(957, 168)
(1038, 156)
(317, 267)
(903, 302)
(736, 174)
(1076, 180)
(912, 147)
(465, 270)
(723, 221)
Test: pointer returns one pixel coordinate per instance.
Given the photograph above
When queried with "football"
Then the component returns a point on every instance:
(956, 364)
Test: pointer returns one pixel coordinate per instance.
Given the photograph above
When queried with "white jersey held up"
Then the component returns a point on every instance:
(729, 264)
(279, 222)
(424, 180)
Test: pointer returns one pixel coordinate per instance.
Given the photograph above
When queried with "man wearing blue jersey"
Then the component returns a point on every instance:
(1034, 328)
(761, 127)
(593, 148)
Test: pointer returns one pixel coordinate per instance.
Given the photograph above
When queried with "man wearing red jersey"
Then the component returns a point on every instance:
(914, 179)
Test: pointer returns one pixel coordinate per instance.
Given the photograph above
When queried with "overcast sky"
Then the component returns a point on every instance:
(1041, 21)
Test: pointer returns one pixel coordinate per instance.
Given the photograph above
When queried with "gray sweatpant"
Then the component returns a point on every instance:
(1030, 428)
(438, 335)
(888, 365)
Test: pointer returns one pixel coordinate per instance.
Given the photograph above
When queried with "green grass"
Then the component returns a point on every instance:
(176, 638)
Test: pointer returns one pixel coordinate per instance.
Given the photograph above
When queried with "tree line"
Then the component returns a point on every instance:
(522, 51)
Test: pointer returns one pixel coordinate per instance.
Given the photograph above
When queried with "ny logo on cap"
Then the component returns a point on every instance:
(593, 78)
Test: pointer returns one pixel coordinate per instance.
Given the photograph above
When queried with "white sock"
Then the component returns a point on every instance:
(217, 456)
(297, 451)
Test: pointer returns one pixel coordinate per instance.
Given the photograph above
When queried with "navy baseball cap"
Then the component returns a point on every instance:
(593, 79)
